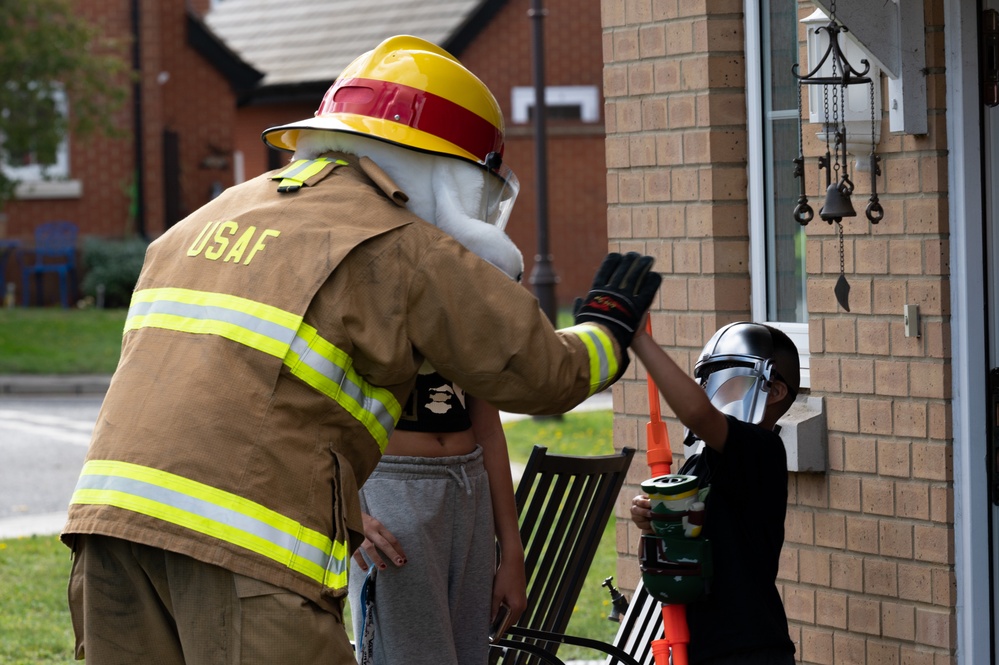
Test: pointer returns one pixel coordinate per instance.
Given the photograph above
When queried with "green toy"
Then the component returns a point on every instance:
(675, 560)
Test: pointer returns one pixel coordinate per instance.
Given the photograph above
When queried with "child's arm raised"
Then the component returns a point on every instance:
(683, 394)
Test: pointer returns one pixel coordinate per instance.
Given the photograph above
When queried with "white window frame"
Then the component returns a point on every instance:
(50, 181)
(798, 332)
(586, 97)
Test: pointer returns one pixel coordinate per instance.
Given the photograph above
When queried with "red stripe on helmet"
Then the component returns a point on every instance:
(414, 108)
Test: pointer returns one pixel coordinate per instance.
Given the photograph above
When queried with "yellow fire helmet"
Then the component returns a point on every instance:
(412, 93)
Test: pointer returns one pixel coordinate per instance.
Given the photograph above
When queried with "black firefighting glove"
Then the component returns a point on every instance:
(622, 292)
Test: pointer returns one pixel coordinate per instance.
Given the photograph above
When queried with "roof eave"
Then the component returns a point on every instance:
(242, 76)
(476, 22)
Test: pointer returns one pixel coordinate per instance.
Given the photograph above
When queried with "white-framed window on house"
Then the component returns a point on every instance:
(563, 102)
(777, 241)
(38, 180)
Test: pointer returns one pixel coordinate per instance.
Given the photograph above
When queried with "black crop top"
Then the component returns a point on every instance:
(435, 405)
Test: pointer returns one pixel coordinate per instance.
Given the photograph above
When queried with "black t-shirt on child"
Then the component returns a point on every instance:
(744, 520)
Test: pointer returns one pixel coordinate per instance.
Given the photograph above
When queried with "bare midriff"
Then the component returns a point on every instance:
(430, 444)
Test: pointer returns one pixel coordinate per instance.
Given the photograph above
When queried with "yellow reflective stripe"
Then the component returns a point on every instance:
(600, 347)
(248, 322)
(310, 357)
(216, 513)
(330, 370)
(301, 170)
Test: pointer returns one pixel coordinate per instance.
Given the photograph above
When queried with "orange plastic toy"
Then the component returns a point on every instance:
(660, 459)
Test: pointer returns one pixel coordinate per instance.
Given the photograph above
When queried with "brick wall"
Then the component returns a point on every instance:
(196, 102)
(867, 567)
(252, 120)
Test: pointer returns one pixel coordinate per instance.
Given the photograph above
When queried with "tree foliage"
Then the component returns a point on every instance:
(51, 59)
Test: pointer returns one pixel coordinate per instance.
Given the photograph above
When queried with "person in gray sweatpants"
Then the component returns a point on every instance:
(425, 586)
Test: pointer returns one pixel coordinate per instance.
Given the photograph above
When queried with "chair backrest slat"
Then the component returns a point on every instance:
(54, 252)
(565, 503)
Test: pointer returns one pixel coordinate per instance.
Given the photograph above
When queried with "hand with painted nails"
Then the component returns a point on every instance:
(379, 545)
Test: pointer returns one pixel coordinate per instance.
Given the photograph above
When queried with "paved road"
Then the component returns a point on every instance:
(43, 443)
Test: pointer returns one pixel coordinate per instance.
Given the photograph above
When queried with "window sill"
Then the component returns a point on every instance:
(805, 435)
(49, 189)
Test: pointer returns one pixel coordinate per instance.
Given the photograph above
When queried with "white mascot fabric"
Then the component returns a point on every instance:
(445, 191)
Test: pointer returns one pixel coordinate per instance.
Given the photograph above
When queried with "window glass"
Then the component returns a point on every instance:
(785, 238)
(777, 242)
(27, 163)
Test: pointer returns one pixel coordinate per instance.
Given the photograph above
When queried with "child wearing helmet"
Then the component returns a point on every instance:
(745, 379)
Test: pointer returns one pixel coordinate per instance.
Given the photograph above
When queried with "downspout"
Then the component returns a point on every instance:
(140, 198)
(975, 620)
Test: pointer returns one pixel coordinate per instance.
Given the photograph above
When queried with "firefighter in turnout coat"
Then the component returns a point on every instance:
(269, 342)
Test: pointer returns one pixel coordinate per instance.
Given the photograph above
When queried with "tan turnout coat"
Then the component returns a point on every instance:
(270, 340)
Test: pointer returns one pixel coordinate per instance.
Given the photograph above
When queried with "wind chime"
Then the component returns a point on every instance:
(835, 74)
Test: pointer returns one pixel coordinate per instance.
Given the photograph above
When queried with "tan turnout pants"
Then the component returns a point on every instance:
(133, 604)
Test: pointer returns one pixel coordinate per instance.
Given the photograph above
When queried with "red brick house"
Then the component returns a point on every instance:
(174, 144)
(175, 130)
(213, 75)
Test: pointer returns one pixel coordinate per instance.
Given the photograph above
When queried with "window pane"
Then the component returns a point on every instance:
(27, 158)
(785, 237)
(783, 52)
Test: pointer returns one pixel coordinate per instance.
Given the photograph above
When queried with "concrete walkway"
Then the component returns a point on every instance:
(37, 385)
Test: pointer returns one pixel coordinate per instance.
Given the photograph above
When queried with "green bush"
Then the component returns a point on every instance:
(115, 264)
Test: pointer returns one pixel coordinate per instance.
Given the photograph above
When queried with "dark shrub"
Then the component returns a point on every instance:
(115, 264)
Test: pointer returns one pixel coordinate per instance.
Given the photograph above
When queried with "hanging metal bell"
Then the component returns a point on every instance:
(837, 205)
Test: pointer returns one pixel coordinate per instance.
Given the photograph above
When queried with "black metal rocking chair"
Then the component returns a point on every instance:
(564, 504)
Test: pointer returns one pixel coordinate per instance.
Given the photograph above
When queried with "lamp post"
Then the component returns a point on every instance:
(543, 277)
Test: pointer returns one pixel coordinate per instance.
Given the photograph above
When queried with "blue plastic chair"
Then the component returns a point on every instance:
(54, 252)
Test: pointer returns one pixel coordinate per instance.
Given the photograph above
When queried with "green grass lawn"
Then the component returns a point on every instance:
(60, 341)
(34, 617)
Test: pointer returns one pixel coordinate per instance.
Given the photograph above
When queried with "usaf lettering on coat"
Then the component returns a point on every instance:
(215, 239)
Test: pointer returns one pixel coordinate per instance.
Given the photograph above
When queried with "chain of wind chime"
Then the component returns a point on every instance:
(839, 186)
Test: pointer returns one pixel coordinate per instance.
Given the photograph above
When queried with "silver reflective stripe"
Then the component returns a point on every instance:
(212, 512)
(600, 349)
(338, 375)
(216, 513)
(234, 317)
(299, 166)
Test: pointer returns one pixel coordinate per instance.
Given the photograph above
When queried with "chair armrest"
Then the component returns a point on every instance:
(616, 653)
(504, 643)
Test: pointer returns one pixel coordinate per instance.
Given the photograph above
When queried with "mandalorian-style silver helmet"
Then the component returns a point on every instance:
(738, 364)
